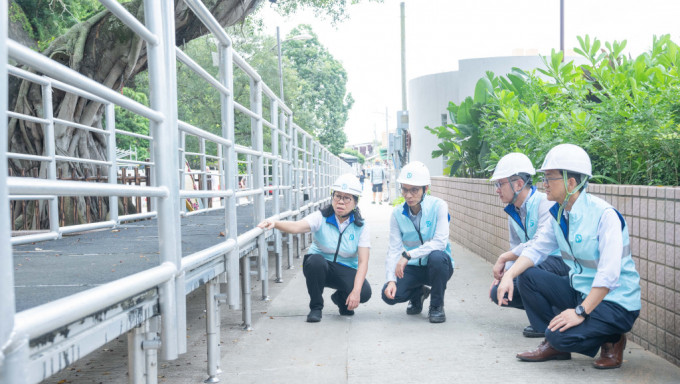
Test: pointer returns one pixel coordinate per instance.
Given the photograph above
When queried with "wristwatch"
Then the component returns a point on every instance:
(581, 311)
(405, 255)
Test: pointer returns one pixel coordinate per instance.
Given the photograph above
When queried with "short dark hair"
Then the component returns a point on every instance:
(578, 177)
(524, 177)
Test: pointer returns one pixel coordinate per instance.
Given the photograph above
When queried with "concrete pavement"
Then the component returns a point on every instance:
(380, 343)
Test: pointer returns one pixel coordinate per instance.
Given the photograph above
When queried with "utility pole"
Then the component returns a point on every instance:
(562, 29)
(403, 57)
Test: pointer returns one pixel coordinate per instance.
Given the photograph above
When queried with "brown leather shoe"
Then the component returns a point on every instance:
(611, 354)
(544, 352)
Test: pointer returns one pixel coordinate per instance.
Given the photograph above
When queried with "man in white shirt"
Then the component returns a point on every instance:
(419, 252)
(528, 210)
(593, 307)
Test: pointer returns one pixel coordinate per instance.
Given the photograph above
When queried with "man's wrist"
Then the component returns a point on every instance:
(405, 255)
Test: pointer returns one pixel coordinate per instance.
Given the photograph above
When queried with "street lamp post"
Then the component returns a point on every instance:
(303, 36)
(278, 46)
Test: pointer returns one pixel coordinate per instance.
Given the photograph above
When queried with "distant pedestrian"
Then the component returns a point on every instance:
(362, 178)
(338, 257)
(377, 177)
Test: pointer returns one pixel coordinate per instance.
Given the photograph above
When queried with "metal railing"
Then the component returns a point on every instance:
(294, 176)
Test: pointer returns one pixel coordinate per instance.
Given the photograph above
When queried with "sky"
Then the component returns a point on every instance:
(441, 32)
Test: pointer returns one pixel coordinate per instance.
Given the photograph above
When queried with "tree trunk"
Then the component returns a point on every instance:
(105, 50)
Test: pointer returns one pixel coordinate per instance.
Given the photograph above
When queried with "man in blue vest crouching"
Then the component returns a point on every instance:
(419, 252)
(599, 301)
(528, 210)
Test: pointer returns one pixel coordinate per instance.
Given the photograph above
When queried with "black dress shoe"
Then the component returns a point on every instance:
(416, 306)
(342, 307)
(529, 331)
(314, 316)
(437, 314)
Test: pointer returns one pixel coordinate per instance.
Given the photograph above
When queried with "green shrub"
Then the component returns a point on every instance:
(624, 112)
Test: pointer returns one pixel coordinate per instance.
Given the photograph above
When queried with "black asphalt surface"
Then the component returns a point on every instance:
(49, 270)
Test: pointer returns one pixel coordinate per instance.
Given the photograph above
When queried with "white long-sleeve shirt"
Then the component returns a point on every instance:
(544, 220)
(610, 246)
(396, 247)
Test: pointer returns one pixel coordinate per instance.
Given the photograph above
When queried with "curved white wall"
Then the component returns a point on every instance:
(428, 97)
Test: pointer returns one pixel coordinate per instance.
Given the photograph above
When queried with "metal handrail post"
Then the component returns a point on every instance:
(13, 348)
(164, 134)
(297, 180)
(110, 115)
(276, 181)
(231, 174)
(50, 152)
(204, 169)
(317, 172)
(305, 181)
(167, 10)
(289, 181)
(257, 141)
(182, 167)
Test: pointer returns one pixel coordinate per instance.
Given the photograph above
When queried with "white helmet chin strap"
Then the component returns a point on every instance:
(569, 194)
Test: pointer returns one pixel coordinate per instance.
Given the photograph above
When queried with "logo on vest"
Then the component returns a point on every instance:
(578, 238)
(409, 175)
(351, 237)
(428, 223)
(532, 223)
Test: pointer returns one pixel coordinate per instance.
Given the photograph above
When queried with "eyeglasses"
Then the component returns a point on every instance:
(499, 184)
(546, 179)
(344, 198)
(410, 191)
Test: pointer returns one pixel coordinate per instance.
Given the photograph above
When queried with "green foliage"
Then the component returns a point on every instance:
(624, 112)
(324, 103)
(48, 19)
(131, 122)
(461, 141)
(354, 152)
(336, 10)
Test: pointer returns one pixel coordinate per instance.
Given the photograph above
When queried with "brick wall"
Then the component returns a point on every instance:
(653, 215)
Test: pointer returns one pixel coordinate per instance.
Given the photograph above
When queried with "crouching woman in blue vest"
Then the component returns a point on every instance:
(338, 256)
(593, 307)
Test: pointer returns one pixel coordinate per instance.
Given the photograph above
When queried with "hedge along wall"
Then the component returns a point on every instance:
(653, 216)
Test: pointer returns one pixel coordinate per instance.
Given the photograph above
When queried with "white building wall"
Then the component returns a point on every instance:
(428, 97)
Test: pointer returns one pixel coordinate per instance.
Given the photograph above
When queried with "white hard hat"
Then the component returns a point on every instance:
(513, 164)
(568, 157)
(414, 173)
(347, 183)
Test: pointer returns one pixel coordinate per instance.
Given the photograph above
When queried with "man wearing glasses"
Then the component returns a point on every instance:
(419, 253)
(527, 210)
(593, 307)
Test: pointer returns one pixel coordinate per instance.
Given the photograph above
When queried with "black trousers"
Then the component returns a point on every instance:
(321, 273)
(436, 274)
(546, 295)
(553, 265)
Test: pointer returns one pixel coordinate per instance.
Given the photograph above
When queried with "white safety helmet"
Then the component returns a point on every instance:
(513, 164)
(414, 173)
(347, 183)
(568, 157)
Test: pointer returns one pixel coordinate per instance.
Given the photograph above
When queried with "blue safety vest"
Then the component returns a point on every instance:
(335, 246)
(579, 246)
(412, 238)
(526, 231)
